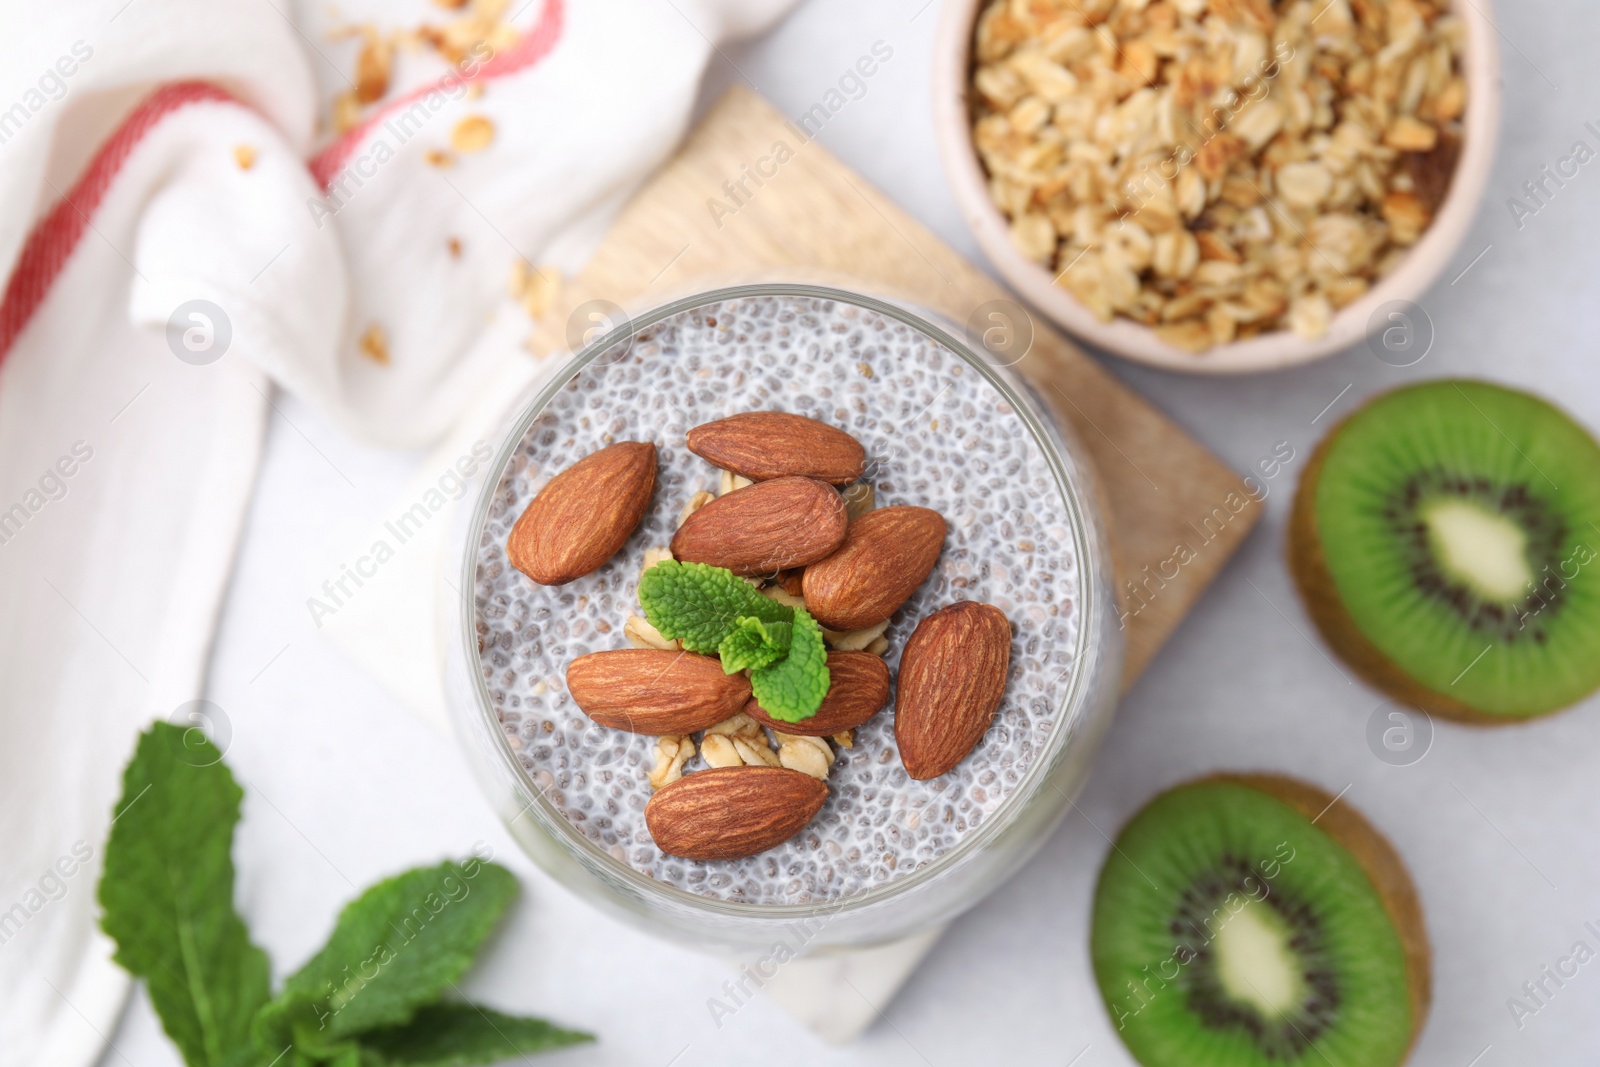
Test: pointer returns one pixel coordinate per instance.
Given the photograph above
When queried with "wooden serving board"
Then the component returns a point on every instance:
(1160, 489)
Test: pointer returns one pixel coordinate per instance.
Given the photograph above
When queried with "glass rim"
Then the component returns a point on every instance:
(1046, 435)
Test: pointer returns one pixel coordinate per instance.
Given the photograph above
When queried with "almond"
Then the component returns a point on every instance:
(770, 444)
(585, 513)
(728, 813)
(858, 688)
(764, 528)
(952, 675)
(653, 691)
(886, 554)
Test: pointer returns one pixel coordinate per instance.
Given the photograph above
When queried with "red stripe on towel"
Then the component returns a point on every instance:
(54, 237)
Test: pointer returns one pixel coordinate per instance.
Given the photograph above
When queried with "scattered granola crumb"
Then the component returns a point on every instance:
(346, 111)
(438, 157)
(244, 155)
(455, 247)
(375, 345)
(535, 288)
(472, 134)
(373, 66)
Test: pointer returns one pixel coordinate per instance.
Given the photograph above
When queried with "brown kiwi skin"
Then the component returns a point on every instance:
(1388, 875)
(1309, 567)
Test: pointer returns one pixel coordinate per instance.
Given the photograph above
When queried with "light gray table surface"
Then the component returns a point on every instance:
(343, 785)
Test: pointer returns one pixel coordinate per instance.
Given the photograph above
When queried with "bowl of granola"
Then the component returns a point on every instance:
(1220, 186)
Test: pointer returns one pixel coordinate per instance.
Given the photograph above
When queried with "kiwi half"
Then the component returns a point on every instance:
(1444, 540)
(1249, 920)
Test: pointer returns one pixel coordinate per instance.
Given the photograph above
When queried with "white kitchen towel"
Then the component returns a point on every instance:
(179, 239)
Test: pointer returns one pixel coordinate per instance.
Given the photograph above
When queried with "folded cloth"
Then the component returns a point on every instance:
(181, 242)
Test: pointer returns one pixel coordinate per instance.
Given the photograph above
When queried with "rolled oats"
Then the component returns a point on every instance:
(731, 481)
(1218, 168)
(653, 555)
(1304, 185)
(696, 502)
(718, 751)
(1406, 215)
(755, 751)
(671, 754)
(784, 597)
(809, 755)
(740, 725)
(1309, 315)
(640, 634)
(854, 640)
(859, 498)
(1175, 254)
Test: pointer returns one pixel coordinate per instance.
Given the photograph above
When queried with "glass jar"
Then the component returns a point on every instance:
(505, 685)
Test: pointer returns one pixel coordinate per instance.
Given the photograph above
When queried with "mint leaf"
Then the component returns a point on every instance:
(754, 644)
(395, 948)
(167, 896)
(792, 688)
(346, 1054)
(700, 605)
(459, 1035)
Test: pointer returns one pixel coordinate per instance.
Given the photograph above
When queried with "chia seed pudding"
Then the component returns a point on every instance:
(937, 434)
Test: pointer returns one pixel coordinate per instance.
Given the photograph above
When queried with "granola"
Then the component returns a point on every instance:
(1215, 169)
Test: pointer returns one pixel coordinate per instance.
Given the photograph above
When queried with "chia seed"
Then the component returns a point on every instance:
(936, 434)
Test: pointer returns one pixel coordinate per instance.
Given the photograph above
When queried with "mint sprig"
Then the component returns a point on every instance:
(459, 1035)
(166, 897)
(753, 644)
(396, 948)
(714, 611)
(700, 605)
(792, 688)
(372, 997)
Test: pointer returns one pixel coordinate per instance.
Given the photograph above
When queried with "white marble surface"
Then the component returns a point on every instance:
(344, 785)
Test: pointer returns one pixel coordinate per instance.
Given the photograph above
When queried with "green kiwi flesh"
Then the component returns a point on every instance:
(1232, 930)
(1443, 538)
